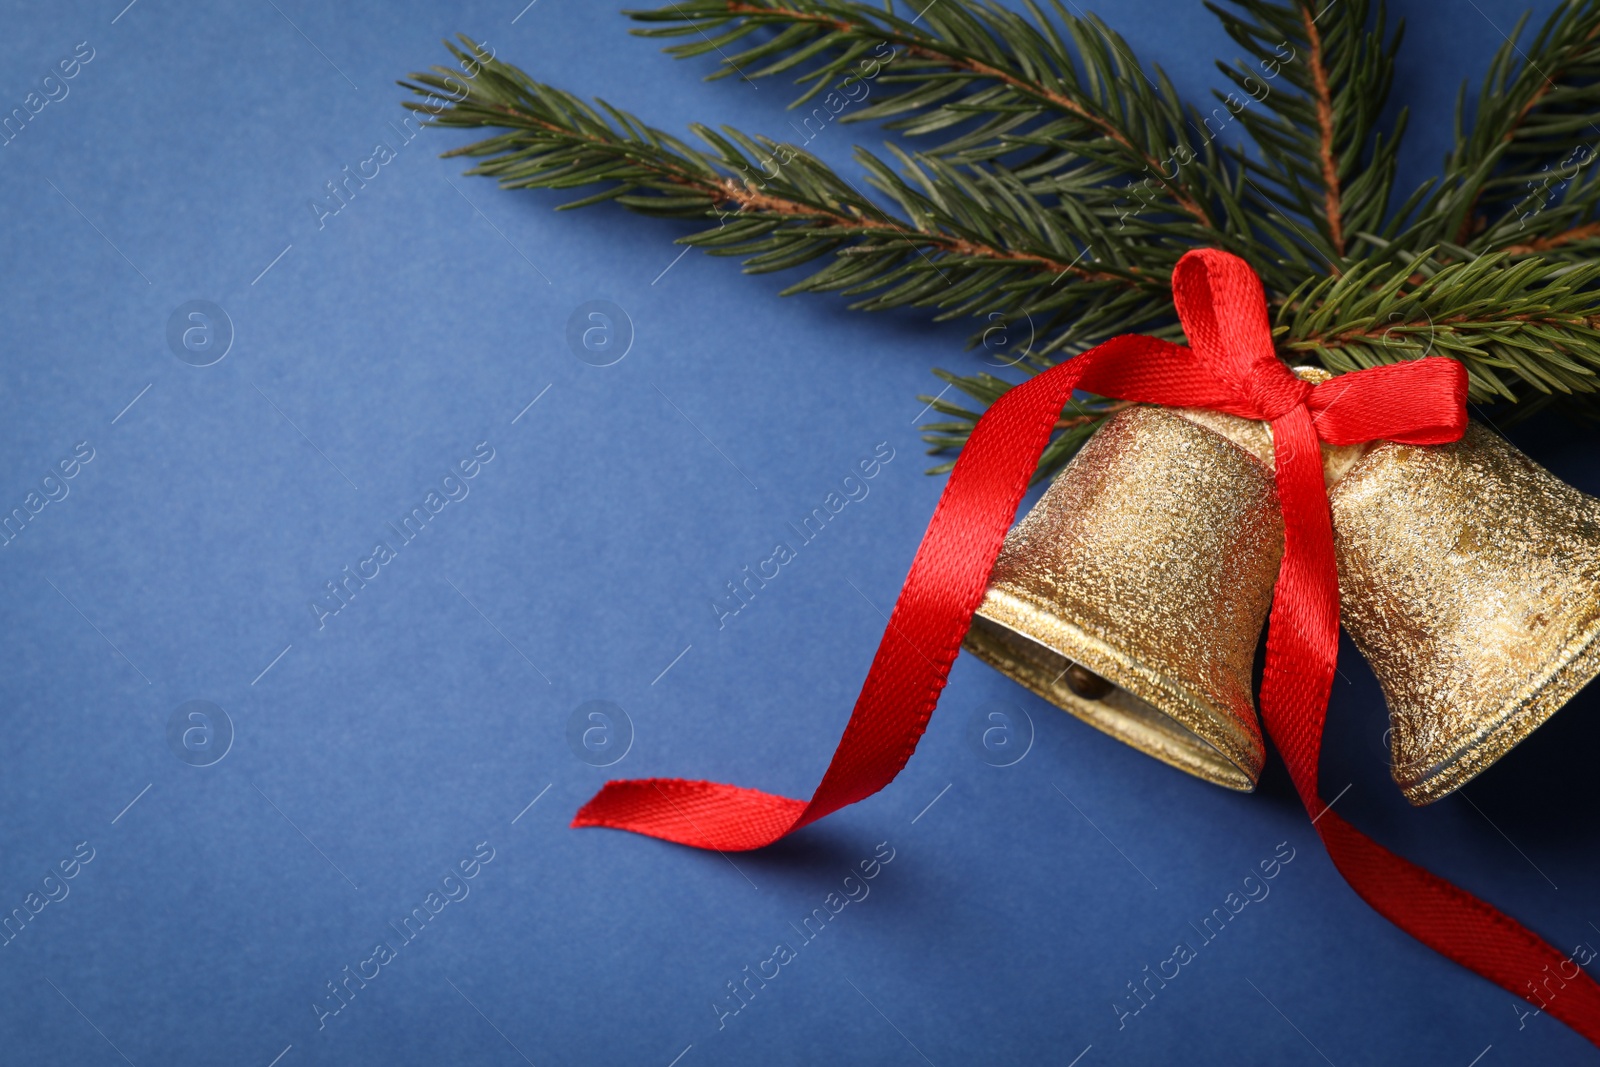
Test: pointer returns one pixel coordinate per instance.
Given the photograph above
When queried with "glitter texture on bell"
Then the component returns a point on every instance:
(1134, 593)
(1469, 576)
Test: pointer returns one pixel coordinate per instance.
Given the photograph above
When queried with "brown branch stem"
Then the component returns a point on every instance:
(723, 191)
(1330, 161)
(732, 191)
(1556, 240)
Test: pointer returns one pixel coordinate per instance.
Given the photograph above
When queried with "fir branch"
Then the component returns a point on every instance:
(1041, 202)
(973, 60)
(1525, 326)
(969, 241)
(1536, 109)
(1323, 158)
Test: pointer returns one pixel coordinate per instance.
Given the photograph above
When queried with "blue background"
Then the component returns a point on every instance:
(372, 755)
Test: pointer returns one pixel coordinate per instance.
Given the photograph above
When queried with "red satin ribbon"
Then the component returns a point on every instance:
(1232, 367)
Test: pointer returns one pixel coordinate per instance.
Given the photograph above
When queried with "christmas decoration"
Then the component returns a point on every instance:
(1076, 192)
(1134, 593)
(1470, 579)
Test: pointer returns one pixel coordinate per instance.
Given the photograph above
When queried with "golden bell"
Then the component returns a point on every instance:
(1469, 577)
(1134, 592)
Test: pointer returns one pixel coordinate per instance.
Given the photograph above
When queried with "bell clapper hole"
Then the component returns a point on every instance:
(1087, 684)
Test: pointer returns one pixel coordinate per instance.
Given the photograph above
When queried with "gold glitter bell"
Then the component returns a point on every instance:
(1134, 593)
(1469, 577)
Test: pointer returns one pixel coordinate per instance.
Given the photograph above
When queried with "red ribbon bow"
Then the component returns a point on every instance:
(1232, 367)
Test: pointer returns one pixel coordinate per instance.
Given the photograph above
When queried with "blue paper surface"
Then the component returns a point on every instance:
(401, 771)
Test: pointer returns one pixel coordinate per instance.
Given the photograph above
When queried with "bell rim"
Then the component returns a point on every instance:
(1574, 666)
(1201, 722)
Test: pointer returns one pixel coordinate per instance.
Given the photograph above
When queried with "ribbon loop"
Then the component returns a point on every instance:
(1223, 310)
(1421, 402)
